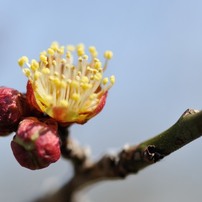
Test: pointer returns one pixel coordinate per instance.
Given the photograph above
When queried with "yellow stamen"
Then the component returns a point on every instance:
(45, 70)
(112, 79)
(61, 50)
(64, 103)
(75, 84)
(76, 97)
(54, 46)
(34, 65)
(37, 74)
(59, 84)
(108, 55)
(50, 51)
(80, 51)
(43, 58)
(54, 63)
(85, 79)
(98, 65)
(93, 96)
(23, 60)
(93, 51)
(68, 55)
(98, 76)
(105, 81)
(27, 72)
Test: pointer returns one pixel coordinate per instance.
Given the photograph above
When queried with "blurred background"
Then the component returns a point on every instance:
(157, 61)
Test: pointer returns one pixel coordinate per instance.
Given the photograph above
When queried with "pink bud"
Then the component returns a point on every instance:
(36, 144)
(13, 107)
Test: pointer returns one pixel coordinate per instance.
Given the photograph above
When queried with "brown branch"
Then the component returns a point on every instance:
(71, 150)
(130, 159)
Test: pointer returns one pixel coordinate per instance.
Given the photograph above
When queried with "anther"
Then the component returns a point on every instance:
(23, 60)
(108, 55)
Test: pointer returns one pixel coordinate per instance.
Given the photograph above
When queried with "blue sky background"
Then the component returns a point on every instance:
(157, 61)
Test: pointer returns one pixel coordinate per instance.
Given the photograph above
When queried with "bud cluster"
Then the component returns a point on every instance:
(59, 94)
(36, 144)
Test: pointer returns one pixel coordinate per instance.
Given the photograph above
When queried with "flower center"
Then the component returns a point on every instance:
(58, 83)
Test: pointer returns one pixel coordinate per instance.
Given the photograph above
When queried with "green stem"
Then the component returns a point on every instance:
(185, 130)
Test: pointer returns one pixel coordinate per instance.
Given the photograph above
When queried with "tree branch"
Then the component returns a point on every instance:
(71, 150)
(130, 159)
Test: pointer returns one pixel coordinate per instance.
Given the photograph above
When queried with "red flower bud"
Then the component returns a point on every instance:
(12, 108)
(36, 144)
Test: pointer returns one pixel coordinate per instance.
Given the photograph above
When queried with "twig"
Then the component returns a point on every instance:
(71, 150)
(131, 159)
